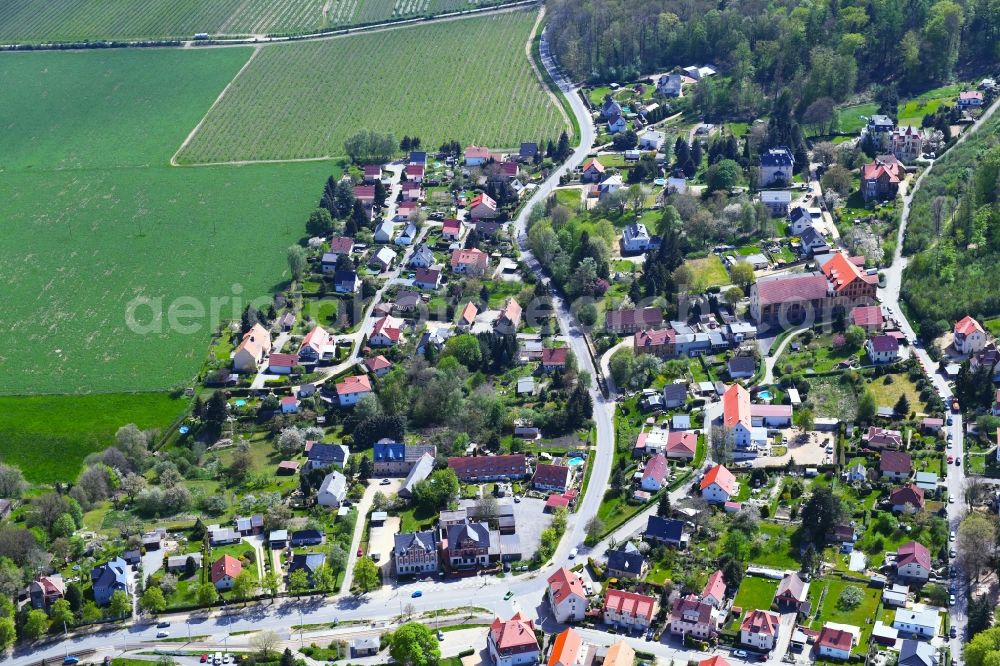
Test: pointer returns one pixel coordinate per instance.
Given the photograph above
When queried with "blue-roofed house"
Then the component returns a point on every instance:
(346, 282)
(776, 167)
(109, 578)
(387, 456)
(680, 422)
(306, 538)
(324, 455)
(627, 562)
(665, 530)
(308, 562)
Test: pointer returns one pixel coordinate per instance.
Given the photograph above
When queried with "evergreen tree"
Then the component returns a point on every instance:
(564, 149)
(663, 508)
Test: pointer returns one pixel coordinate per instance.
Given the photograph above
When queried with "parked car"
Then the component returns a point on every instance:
(573, 553)
(440, 635)
(70, 661)
(416, 593)
(740, 654)
(162, 633)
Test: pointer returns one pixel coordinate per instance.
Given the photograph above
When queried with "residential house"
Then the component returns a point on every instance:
(880, 128)
(759, 630)
(420, 471)
(415, 173)
(882, 349)
(383, 259)
(610, 185)
(674, 394)
(690, 615)
(969, 336)
(365, 647)
(593, 171)
(289, 404)
(970, 99)
(917, 653)
(718, 485)
(422, 257)
(333, 490)
(393, 458)
(224, 572)
(222, 536)
(835, 641)
(417, 157)
(568, 649)
(922, 622)
(776, 168)
(476, 155)
(46, 590)
(341, 245)
(388, 331)
(177, 563)
(250, 525)
(714, 591)
(409, 235)
(528, 151)
(880, 438)
(651, 140)
(907, 498)
(635, 238)
(482, 207)
(384, 232)
(509, 319)
(415, 553)
(300, 538)
(479, 469)
(736, 418)
(554, 358)
(346, 282)
(792, 594)
(469, 262)
(411, 191)
(913, 562)
(406, 301)
(659, 342)
(812, 242)
(366, 195)
(468, 545)
(372, 173)
(566, 596)
(551, 477)
(611, 107)
(622, 654)
(784, 300)
(320, 455)
(880, 179)
(468, 317)
(513, 642)
(799, 220)
(109, 578)
(665, 530)
(681, 445)
(378, 365)
(451, 230)
(906, 143)
(628, 610)
(352, 389)
(627, 562)
(669, 85)
(741, 367)
(617, 124)
(857, 473)
(895, 465)
(776, 201)
(654, 474)
(868, 317)
(252, 350)
(308, 562)
(630, 320)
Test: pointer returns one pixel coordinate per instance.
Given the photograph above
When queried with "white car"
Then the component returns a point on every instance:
(162, 633)
(740, 654)
(573, 553)
(951, 537)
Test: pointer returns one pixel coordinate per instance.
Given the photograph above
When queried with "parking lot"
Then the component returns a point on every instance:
(529, 519)
(808, 450)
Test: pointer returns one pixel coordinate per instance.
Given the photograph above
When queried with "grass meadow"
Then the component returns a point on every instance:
(49, 436)
(467, 80)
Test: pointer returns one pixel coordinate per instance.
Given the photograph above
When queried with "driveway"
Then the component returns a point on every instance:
(363, 507)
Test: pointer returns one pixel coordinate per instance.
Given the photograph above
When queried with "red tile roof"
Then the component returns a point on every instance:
(655, 469)
(316, 339)
(473, 257)
(896, 462)
(451, 227)
(566, 648)
(720, 476)
(483, 466)
(967, 326)
(867, 315)
(283, 360)
(475, 151)
(837, 639)
(515, 635)
(354, 384)
(564, 582)
(593, 163)
(389, 327)
(485, 200)
(469, 312)
(806, 287)
(414, 169)
(629, 603)
(364, 192)
(682, 441)
(378, 363)
(341, 245)
(654, 337)
(883, 343)
(842, 272)
(760, 622)
(227, 565)
(554, 356)
(910, 494)
(715, 587)
(557, 501)
(551, 475)
(713, 661)
(913, 552)
(892, 169)
(736, 406)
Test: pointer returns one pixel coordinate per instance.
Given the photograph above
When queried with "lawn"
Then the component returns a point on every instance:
(912, 112)
(832, 398)
(32, 21)
(97, 225)
(755, 593)
(569, 197)
(49, 436)
(850, 117)
(818, 356)
(707, 272)
(329, 89)
(886, 395)
(777, 549)
(832, 611)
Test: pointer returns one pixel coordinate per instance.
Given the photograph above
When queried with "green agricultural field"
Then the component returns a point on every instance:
(467, 80)
(94, 217)
(35, 21)
(49, 436)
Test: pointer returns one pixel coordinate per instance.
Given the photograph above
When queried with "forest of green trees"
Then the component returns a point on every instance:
(821, 49)
(954, 236)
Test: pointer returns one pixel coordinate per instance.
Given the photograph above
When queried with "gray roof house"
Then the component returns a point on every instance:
(812, 242)
(323, 455)
(420, 471)
(308, 562)
(674, 395)
(917, 653)
(333, 490)
(109, 578)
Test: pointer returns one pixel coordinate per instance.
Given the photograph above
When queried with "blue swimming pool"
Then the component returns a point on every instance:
(240, 402)
(573, 462)
(765, 395)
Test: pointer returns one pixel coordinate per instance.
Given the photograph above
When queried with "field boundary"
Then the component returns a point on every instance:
(529, 51)
(193, 132)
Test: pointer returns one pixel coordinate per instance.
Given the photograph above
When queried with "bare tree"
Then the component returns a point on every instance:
(264, 643)
(976, 542)
(941, 209)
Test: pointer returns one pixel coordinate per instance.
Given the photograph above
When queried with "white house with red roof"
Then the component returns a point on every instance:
(691, 615)
(880, 179)
(913, 562)
(881, 438)
(341, 245)
(628, 609)
(378, 366)
(451, 229)
(970, 99)
(714, 591)
(469, 262)
(868, 317)
(654, 474)
(351, 389)
(907, 498)
(882, 349)
(551, 477)
(836, 640)
(252, 350)
(736, 417)
(314, 345)
(718, 485)
(388, 331)
(759, 629)
(476, 155)
(513, 642)
(509, 319)
(372, 172)
(969, 336)
(566, 595)
(468, 316)
(554, 358)
(414, 173)
(224, 572)
(482, 207)
(681, 444)
(427, 278)
(593, 171)
(289, 404)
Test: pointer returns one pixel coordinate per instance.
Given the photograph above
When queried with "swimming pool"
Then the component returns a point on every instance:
(573, 462)
(765, 395)
(660, 181)
(240, 402)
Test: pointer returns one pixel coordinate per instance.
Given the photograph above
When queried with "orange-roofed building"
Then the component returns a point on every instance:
(566, 595)
(509, 318)
(513, 642)
(628, 609)
(620, 654)
(714, 661)
(468, 316)
(847, 280)
(969, 336)
(224, 572)
(736, 415)
(568, 649)
(253, 349)
(719, 485)
(881, 178)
